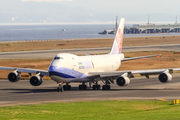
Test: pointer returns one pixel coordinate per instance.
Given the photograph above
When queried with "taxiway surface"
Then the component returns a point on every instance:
(82, 51)
(140, 88)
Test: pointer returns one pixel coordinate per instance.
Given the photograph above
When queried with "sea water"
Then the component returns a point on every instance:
(47, 32)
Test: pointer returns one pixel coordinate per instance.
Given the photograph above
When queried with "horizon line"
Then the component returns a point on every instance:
(87, 23)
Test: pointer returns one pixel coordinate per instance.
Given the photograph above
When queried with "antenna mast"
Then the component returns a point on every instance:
(148, 20)
(116, 23)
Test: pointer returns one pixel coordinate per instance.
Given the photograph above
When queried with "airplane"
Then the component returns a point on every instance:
(67, 68)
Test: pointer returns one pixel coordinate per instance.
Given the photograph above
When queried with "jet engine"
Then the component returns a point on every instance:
(14, 76)
(165, 77)
(36, 80)
(122, 81)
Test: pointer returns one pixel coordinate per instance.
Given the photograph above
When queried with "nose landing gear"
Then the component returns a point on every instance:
(60, 88)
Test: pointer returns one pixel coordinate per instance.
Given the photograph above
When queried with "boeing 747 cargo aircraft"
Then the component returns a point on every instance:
(68, 68)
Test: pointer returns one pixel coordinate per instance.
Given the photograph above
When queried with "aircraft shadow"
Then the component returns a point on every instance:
(30, 90)
(73, 89)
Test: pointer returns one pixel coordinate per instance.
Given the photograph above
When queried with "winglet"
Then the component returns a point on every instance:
(117, 44)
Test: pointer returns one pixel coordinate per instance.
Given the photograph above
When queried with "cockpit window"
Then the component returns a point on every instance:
(57, 58)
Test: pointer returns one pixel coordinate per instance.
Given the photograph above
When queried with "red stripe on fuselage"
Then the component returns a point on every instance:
(92, 64)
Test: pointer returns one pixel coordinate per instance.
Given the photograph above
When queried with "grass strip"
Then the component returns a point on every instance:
(85, 43)
(99, 110)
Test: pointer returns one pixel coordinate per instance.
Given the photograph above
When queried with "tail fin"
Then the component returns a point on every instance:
(117, 44)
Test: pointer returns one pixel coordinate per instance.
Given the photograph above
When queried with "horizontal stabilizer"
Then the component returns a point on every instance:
(134, 58)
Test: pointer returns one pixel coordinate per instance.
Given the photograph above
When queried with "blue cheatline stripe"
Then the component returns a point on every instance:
(60, 74)
(64, 72)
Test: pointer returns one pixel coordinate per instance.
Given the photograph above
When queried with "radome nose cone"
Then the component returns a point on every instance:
(52, 68)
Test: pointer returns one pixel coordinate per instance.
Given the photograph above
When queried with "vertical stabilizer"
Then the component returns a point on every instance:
(117, 44)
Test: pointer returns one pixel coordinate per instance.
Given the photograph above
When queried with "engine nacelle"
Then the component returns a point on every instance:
(14, 76)
(36, 80)
(122, 81)
(165, 77)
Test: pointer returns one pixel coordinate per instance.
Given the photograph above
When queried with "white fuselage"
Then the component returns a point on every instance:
(68, 66)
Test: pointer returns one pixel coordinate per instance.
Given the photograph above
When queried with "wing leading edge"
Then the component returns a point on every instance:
(131, 73)
(26, 70)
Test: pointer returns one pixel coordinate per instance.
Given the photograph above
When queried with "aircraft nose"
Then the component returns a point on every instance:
(52, 70)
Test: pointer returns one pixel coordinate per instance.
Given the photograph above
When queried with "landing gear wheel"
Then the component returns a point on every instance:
(69, 87)
(106, 87)
(65, 87)
(61, 89)
(96, 87)
(82, 87)
(58, 89)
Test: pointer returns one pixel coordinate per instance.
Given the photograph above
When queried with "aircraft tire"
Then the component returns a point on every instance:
(58, 89)
(84, 87)
(98, 87)
(94, 87)
(65, 87)
(106, 87)
(80, 87)
(61, 89)
(69, 87)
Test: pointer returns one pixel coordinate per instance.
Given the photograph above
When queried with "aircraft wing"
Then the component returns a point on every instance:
(26, 70)
(94, 76)
(131, 73)
(134, 58)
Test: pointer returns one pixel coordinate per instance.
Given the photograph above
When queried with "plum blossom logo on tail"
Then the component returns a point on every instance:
(119, 39)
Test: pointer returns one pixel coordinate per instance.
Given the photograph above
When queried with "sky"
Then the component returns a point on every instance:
(88, 11)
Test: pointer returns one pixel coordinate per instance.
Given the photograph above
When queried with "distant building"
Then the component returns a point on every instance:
(152, 28)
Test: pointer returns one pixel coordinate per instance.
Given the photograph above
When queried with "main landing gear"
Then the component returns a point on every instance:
(106, 86)
(67, 87)
(83, 86)
(96, 86)
(62, 87)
